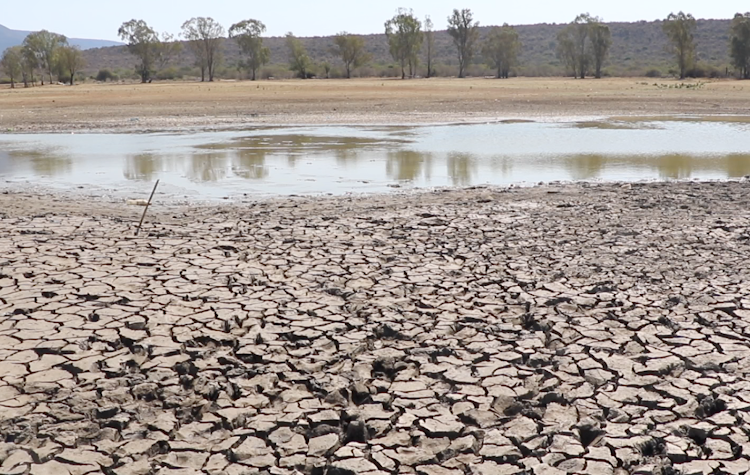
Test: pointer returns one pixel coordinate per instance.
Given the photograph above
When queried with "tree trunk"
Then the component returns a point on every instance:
(253, 79)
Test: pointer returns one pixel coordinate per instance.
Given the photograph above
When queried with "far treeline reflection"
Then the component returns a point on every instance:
(410, 165)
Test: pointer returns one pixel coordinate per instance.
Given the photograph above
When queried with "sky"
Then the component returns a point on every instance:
(100, 20)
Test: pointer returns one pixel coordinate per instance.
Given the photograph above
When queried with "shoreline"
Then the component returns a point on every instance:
(186, 106)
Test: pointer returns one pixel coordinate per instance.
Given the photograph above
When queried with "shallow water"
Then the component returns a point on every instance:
(310, 160)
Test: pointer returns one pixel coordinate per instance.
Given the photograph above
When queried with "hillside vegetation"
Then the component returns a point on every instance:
(638, 49)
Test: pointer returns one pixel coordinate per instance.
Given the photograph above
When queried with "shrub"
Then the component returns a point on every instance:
(105, 75)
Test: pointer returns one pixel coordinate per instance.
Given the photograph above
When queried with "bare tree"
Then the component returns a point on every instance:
(465, 33)
(247, 35)
(204, 36)
(351, 50)
(680, 28)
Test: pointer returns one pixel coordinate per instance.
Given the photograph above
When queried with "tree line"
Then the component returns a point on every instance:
(582, 46)
(41, 55)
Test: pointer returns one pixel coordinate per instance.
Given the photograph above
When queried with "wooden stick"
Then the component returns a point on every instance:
(143, 216)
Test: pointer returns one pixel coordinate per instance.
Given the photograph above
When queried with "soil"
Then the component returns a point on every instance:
(557, 329)
(183, 105)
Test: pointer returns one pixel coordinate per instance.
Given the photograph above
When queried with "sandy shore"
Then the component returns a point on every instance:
(560, 329)
(181, 106)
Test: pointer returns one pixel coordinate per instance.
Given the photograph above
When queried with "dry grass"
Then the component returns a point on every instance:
(359, 101)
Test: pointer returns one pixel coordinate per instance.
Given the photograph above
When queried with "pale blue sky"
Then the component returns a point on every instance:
(100, 20)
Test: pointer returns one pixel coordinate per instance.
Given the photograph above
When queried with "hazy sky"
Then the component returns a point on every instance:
(100, 20)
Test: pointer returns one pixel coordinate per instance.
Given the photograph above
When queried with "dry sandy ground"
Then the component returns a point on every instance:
(163, 106)
(595, 329)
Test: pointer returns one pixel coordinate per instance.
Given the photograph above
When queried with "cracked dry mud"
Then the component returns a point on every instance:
(560, 329)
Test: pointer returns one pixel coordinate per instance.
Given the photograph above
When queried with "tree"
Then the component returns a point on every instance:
(429, 36)
(501, 49)
(680, 28)
(70, 60)
(583, 42)
(405, 38)
(204, 36)
(44, 44)
(351, 49)
(739, 46)
(299, 61)
(465, 33)
(566, 50)
(143, 43)
(30, 62)
(12, 63)
(601, 41)
(247, 35)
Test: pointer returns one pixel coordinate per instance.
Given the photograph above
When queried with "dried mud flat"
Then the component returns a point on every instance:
(180, 106)
(560, 329)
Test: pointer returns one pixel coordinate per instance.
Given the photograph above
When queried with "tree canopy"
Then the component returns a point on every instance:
(501, 49)
(144, 43)
(299, 61)
(351, 50)
(44, 44)
(204, 36)
(12, 63)
(739, 47)
(247, 34)
(680, 29)
(465, 33)
(405, 38)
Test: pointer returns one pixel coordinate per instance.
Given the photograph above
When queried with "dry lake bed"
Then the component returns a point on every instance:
(581, 328)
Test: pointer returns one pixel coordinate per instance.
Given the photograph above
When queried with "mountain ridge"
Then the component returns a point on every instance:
(10, 38)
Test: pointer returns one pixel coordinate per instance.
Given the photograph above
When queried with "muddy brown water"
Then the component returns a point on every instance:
(339, 160)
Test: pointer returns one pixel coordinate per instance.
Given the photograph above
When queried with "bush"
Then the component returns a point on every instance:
(653, 73)
(105, 75)
(169, 74)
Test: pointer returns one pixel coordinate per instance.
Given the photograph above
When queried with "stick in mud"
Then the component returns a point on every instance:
(143, 216)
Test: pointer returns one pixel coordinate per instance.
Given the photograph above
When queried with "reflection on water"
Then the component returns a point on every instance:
(44, 162)
(669, 166)
(461, 168)
(407, 165)
(294, 160)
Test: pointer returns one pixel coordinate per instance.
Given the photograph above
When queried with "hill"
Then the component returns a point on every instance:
(9, 38)
(637, 48)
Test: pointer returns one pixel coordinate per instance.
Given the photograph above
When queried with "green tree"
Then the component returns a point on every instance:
(566, 50)
(465, 33)
(30, 63)
(405, 38)
(143, 43)
(205, 37)
(70, 60)
(585, 41)
(680, 29)
(429, 41)
(44, 44)
(739, 46)
(351, 49)
(12, 63)
(601, 40)
(247, 35)
(501, 49)
(299, 61)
